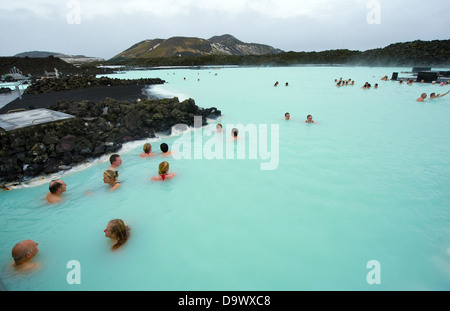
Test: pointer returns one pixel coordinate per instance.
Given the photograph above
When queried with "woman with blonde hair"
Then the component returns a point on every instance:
(163, 172)
(147, 151)
(110, 178)
(117, 230)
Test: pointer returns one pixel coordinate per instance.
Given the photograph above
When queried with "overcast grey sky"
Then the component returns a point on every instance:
(104, 28)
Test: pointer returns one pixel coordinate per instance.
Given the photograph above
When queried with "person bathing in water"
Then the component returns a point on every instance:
(115, 161)
(110, 178)
(422, 97)
(163, 172)
(22, 254)
(56, 189)
(147, 151)
(117, 231)
(165, 149)
(309, 119)
(433, 95)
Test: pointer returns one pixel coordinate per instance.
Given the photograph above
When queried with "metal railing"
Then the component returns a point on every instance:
(16, 110)
(44, 118)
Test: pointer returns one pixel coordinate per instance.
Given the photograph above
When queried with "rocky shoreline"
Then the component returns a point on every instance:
(98, 128)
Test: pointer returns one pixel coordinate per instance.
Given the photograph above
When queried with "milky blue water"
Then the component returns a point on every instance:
(369, 182)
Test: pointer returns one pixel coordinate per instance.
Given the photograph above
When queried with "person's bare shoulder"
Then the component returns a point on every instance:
(169, 176)
(26, 267)
(52, 199)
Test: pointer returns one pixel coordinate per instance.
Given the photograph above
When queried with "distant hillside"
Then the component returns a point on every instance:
(38, 54)
(187, 46)
(72, 59)
(416, 53)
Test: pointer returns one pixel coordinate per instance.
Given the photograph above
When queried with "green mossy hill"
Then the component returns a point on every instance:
(192, 46)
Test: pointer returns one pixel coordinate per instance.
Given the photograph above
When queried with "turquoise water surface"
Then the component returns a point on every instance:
(369, 182)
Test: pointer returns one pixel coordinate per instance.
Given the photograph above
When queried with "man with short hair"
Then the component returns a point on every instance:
(56, 188)
(287, 115)
(422, 97)
(23, 252)
(115, 161)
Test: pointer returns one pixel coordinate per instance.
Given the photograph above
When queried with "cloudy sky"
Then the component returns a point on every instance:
(104, 28)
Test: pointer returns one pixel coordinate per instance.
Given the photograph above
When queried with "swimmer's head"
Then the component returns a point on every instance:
(147, 148)
(163, 168)
(24, 251)
(116, 229)
(234, 132)
(57, 186)
(115, 159)
(110, 176)
(164, 147)
(287, 115)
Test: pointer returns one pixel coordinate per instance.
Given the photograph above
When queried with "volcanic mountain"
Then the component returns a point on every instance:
(191, 46)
